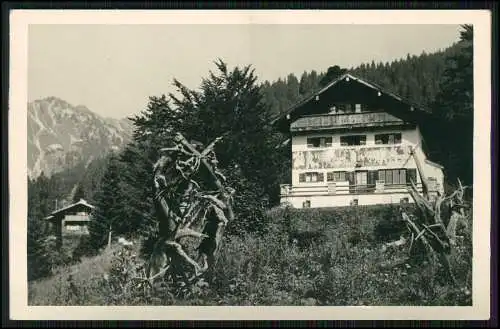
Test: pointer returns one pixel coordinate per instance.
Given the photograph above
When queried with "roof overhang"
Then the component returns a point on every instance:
(346, 87)
(433, 164)
(81, 203)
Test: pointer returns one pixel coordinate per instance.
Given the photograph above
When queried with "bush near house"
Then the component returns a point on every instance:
(304, 257)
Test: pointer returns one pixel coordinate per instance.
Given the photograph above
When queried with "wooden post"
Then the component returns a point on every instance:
(59, 237)
(109, 237)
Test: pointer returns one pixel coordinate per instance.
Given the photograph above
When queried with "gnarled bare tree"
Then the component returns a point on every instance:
(189, 191)
(435, 228)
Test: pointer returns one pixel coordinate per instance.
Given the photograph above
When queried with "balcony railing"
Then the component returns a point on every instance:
(350, 120)
(76, 218)
(344, 188)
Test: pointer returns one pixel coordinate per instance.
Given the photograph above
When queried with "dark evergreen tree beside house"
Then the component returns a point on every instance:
(454, 106)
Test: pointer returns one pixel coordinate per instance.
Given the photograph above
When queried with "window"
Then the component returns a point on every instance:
(344, 108)
(411, 175)
(372, 178)
(311, 177)
(362, 182)
(357, 108)
(432, 181)
(392, 176)
(388, 138)
(353, 140)
(319, 142)
(336, 176)
(361, 178)
(404, 200)
(306, 204)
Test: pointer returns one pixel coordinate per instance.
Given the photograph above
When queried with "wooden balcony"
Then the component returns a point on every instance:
(342, 121)
(343, 188)
(76, 218)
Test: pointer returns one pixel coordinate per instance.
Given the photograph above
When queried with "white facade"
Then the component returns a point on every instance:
(319, 174)
(357, 149)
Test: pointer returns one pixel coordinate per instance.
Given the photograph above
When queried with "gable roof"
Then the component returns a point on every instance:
(81, 202)
(434, 164)
(295, 110)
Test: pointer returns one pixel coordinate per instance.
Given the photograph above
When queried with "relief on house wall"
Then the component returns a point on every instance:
(349, 157)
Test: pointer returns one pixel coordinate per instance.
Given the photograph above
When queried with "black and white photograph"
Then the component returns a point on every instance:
(271, 161)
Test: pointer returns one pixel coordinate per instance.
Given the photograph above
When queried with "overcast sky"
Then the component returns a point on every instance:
(113, 69)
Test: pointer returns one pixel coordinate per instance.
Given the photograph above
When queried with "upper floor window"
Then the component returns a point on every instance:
(353, 140)
(319, 142)
(394, 138)
(345, 108)
(342, 108)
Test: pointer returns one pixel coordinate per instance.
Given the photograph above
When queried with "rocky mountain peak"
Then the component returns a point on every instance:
(61, 134)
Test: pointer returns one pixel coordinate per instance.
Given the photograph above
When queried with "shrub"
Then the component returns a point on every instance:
(391, 225)
(264, 269)
(84, 248)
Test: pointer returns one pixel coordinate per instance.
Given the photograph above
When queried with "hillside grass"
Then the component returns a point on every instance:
(331, 257)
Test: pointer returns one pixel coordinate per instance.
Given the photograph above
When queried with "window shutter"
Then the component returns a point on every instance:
(350, 177)
(402, 176)
(321, 177)
(388, 177)
(372, 177)
(342, 176)
(395, 176)
(302, 178)
(329, 177)
(381, 175)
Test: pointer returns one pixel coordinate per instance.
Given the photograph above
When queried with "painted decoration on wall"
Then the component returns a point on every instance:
(350, 157)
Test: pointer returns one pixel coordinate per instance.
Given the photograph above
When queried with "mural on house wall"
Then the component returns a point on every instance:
(349, 157)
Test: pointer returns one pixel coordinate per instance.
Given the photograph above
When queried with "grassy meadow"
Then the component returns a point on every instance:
(333, 257)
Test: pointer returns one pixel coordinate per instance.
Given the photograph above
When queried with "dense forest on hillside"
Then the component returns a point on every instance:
(231, 103)
(416, 78)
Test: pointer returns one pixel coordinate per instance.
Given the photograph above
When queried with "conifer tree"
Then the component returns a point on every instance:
(108, 215)
(454, 108)
(333, 73)
(39, 263)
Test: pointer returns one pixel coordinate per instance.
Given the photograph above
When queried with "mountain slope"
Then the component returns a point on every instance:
(61, 135)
